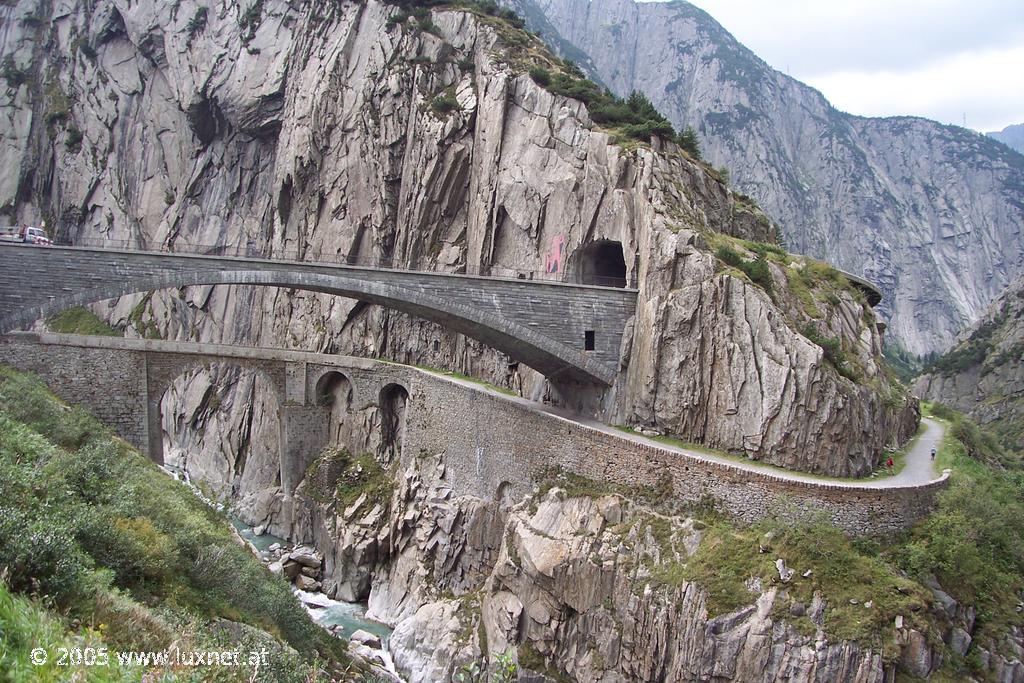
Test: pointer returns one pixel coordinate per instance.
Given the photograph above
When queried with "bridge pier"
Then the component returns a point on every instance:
(304, 434)
(154, 428)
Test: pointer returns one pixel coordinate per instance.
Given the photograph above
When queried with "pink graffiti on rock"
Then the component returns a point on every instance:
(553, 256)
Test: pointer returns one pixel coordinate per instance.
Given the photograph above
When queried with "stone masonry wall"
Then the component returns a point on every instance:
(540, 323)
(110, 385)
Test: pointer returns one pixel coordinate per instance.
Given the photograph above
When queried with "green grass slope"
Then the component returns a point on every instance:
(99, 547)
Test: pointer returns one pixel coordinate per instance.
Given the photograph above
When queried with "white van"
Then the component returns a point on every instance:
(27, 234)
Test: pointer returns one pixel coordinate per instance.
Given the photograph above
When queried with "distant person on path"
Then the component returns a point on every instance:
(933, 452)
(890, 464)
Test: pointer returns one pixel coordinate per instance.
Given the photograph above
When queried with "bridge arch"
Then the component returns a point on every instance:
(393, 403)
(258, 460)
(552, 358)
(334, 392)
(333, 387)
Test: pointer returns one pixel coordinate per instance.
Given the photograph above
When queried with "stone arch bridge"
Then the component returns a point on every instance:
(562, 330)
(122, 383)
(491, 445)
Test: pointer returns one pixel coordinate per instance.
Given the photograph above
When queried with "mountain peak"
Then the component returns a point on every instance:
(872, 195)
(1011, 136)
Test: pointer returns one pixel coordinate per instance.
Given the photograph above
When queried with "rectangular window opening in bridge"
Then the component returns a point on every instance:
(588, 340)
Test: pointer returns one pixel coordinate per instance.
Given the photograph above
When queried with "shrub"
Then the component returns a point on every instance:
(196, 25)
(396, 19)
(572, 68)
(979, 445)
(833, 351)
(445, 103)
(757, 270)
(425, 24)
(540, 75)
(635, 116)
(73, 142)
(943, 412)
(39, 554)
(759, 273)
(133, 548)
(14, 76)
(729, 256)
(512, 18)
(687, 139)
(488, 7)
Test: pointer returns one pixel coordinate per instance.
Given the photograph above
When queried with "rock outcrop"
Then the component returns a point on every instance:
(983, 374)
(930, 212)
(583, 588)
(356, 131)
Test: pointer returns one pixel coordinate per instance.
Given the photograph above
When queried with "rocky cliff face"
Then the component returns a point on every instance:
(355, 130)
(590, 586)
(932, 213)
(461, 579)
(983, 374)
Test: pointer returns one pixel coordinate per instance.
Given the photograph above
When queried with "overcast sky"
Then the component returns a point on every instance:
(942, 59)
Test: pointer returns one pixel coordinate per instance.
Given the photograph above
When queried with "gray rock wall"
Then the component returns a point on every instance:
(983, 374)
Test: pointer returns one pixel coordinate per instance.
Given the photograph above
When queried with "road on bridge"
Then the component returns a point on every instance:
(919, 468)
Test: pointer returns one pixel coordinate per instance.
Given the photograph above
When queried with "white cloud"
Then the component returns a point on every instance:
(935, 58)
(986, 87)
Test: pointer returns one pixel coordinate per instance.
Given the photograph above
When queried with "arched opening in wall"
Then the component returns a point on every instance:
(220, 424)
(393, 401)
(334, 393)
(503, 496)
(601, 263)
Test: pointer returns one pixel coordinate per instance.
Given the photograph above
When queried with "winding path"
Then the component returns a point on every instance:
(919, 468)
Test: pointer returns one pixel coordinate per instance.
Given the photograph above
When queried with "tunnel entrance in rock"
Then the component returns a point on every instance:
(602, 263)
(393, 401)
(334, 393)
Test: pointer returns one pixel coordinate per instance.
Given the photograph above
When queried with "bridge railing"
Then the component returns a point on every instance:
(312, 257)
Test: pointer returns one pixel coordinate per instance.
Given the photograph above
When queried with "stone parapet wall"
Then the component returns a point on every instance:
(110, 385)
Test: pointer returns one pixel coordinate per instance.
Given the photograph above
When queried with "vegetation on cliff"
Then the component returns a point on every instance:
(970, 548)
(972, 542)
(810, 292)
(337, 476)
(631, 118)
(80, 320)
(99, 547)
